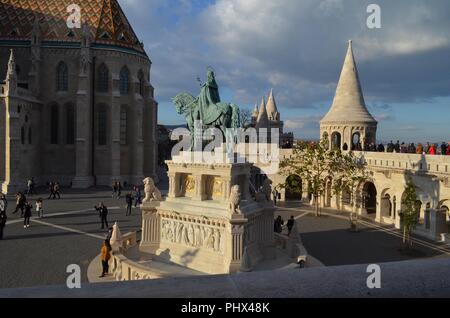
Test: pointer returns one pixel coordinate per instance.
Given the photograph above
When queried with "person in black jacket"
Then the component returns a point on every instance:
(290, 225)
(27, 215)
(3, 219)
(103, 214)
(129, 200)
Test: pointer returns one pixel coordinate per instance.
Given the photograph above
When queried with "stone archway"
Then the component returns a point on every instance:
(386, 206)
(336, 140)
(369, 199)
(356, 141)
(293, 189)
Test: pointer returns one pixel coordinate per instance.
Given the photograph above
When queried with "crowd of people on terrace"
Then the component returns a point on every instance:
(411, 148)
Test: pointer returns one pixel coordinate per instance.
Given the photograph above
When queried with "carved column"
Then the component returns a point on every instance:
(115, 130)
(236, 243)
(151, 224)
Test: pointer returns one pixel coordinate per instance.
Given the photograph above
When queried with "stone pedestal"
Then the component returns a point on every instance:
(194, 226)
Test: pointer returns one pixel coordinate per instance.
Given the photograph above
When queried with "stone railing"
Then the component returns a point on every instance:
(292, 245)
(437, 164)
(124, 269)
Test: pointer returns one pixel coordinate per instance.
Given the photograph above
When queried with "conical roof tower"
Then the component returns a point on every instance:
(349, 105)
(263, 119)
(272, 110)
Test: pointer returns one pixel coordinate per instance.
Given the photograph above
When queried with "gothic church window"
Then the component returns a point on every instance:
(62, 77)
(103, 79)
(124, 81)
(141, 78)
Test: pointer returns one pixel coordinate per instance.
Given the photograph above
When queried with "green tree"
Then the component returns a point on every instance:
(410, 212)
(314, 163)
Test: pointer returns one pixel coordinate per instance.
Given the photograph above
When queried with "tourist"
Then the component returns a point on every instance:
(278, 226)
(137, 196)
(275, 196)
(105, 257)
(444, 147)
(56, 190)
(27, 215)
(432, 150)
(3, 219)
(103, 214)
(109, 235)
(448, 150)
(119, 190)
(403, 148)
(290, 225)
(397, 146)
(129, 201)
(30, 186)
(390, 147)
(3, 203)
(51, 189)
(412, 148)
(420, 150)
(40, 208)
(20, 203)
(114, 189)
(380, 148)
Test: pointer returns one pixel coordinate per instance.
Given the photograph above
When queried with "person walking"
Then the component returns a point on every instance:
(103, 214)
(57, 190)
(51, 189)
(137, 196)
(27, 215)
(105, 257)
(3, 217)
(290, 225)
(278, 228)
(114, 189)
(20, 203)
(129, 201)
(119, 190)
(29, 187)
(3, 203)
(40, 208)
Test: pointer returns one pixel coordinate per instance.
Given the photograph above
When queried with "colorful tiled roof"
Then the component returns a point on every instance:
(107, 22)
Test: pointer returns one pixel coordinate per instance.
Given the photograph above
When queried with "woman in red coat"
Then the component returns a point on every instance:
(432, 150)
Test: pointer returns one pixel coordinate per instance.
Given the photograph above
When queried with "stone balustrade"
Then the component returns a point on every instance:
(426, 164)
(124, 269)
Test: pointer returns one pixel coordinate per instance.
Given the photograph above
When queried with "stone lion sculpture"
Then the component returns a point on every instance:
(235, 199)
(265, 192)
(152, 193)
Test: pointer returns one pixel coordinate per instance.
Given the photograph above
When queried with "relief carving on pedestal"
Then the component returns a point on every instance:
(189, 185)
(192, 234)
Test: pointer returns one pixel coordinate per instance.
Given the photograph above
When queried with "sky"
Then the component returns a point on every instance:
(297, 47)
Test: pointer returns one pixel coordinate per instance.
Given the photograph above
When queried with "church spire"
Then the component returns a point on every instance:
(263, 119)
(11, 74)
(272, 109)
(349, 104)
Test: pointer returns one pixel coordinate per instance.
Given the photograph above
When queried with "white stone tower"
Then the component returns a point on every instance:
(348, 124)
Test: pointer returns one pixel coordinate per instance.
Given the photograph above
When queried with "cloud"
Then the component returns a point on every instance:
(297, 48)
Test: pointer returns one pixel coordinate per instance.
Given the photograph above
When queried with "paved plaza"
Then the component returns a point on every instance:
(70, 234)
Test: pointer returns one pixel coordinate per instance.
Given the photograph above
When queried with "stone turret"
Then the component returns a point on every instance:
(263, 118)
(11, 75)
(272, 110)
(348, 124)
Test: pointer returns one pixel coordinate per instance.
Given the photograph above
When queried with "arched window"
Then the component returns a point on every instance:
(141, 79)
(123, 126)
(22, 135)
(103, 79)
(70, 125)
(124, 81)
(54, 124)
(62, 77)
(102, 125)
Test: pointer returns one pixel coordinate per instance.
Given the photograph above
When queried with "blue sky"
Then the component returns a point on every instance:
(297, 47)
